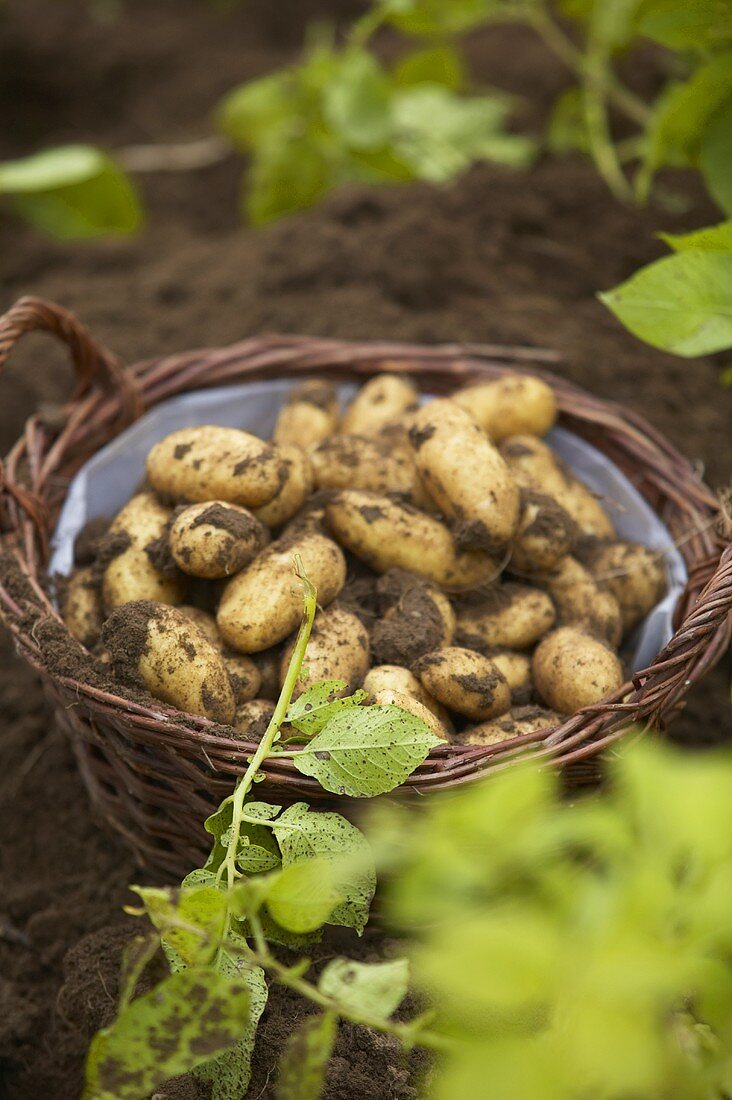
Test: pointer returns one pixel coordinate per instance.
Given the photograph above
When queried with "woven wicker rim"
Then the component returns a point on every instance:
(108, 397)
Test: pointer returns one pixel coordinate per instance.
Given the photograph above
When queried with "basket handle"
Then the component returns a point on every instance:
(92, 361)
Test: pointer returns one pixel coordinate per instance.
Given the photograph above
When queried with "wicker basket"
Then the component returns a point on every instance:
(154, 774)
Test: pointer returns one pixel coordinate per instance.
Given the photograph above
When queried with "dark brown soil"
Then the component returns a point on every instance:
(497, 257)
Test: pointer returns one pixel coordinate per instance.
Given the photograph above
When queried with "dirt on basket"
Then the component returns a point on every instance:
(498, 257)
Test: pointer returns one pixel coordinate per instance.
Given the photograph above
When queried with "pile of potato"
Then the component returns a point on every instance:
(463, 573)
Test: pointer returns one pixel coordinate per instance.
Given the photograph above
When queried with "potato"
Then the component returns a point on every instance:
(357, 462)
(309, 415)
(263, 604)
(82, 606)
(159, 648)
(395, 678)
(387, 534)
(338, 649)
(389, 697)
(380, 401)
(311, 517)
(244, 676)
(464, 681)
(634, 575)
(516, 723)
(268, 666)
(132, 573)
(252, 718)
(418, 617)
(215, 539)
(580, 601)
(535, 466)
(516, 404)
(572, 669)
(195, 465)
(465, 475)
(545, 534)
(296, 488)
(516, 670)
(510, 616)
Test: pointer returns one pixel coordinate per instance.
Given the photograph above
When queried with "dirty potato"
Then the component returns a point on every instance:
(510, 616)
(309, 415)
(82, 609)
(464, 681)
(132, 544)
(399, 679)
(545, 534)
(516, 723)
(244, 676)
(417, 617)
(358, 462)
(297, 485)
(516, 670)
(338, 649)
(517, 404)
(634, 575)
(573, 669)
(252, 718)
(581, 601)
(383, 399)
(215, 539)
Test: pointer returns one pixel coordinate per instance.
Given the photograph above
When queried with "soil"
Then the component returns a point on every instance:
(495, 257)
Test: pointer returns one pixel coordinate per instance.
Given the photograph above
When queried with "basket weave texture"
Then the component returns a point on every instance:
(154, 774)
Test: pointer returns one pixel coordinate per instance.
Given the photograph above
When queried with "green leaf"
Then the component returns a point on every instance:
(302, 1068)
(715, 238)
(304, 835)
(567, 129)
(217, 825)
(435, 65)
(186, 1019)
(303, 895)
(253, 858)
(436, 17)
(260, 111)
(682, 303)
(375, 989)
(286, 176)
(357, 101)
(51, 169)
(263, 811)
(313, 709)
(694, 24)
(715, 157)
(229, 1074)
(366, 752)
(201, 906)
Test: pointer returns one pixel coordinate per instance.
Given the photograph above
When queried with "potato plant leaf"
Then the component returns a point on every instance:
(715, 157)
(304, 835)
(313, 709)
(357, 101)
(229, 1073)
(259, 111)
(715, 238)
(186, 1019)
(434, 65)
(366, 752)
(302, 1067)
(375, 989)
(202, 906)
(686, 24)
(435, 17)
(303, 895)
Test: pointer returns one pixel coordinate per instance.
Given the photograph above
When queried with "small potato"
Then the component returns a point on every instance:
(634, 574)
(132, 573)
(387, 534)
(309, 415)
(580, 601)
(82, 606)
(395, 678)
(517, 723)
(510, 616)
(383, 399)
(545, 534)
(516, 670)
(338, 649)
(210, 463)
(465, 475)
(252, 718)
(535, 466)
(572, 669)
(357, 462)
(465, 682)
(268, 666)
(263, 604)
(296, 488)
(215, 539)
(159, 648)
(311, 517)
(389, 697)
(244, 675)
(418, 617)
(517, 404)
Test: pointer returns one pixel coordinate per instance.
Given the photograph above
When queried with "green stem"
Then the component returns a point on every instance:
(602, 147)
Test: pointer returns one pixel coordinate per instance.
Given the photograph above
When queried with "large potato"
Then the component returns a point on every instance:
(133, 573)
(382, 400)
(417, 618)
(161, 649)
(580, 601)
(212, 463)
(390, 697)
(358, 462)
(215, 539)
(634, 574)
(535, 466)
(516, 404)
(263, 604)
(387, 534)
(464, 681)
(295, 490)
(309, 415)
(573, 669)
(244, 675)
(545, 534)
(338, 649)
(82, 606)
(396, 678)
(517, 723)
(510, 616)
(465, 475)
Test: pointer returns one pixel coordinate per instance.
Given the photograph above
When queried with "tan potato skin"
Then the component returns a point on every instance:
(514, 405)
(517, 723)
(268, 664)
(263, 604)
(309, 415)
(580, 601)
(516, 670)
(83, 612)
(464, 681)
(545, 535)
(465, 475)
(572, 669)
(390, 697)
(535, 466)
(296, 488)
(510, 616)
(358, 462)
(244, 676)
(210, 550)
(634, 574)
(131, 575)
(252, 718)
(381, 400)
(338, 649)
(213, 463)
(389, 535)
(395, 678)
